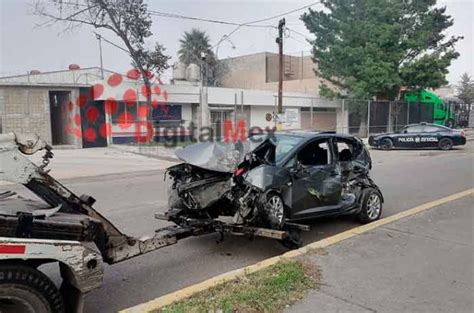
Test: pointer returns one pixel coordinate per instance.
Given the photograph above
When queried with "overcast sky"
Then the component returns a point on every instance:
(24, 46)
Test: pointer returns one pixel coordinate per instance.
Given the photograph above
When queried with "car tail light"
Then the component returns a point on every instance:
(463, 134)
(239, 171)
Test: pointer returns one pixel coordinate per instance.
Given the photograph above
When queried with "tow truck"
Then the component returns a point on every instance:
(64, 228)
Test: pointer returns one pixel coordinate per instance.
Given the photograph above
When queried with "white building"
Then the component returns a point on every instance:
(111, 110)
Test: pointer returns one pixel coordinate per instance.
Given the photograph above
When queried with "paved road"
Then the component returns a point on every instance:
(407, 178)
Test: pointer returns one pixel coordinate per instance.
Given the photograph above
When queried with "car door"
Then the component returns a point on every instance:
(430, 136)
(409, 137)
(316, 181)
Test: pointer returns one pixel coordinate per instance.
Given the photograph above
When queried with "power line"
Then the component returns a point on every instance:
(239, 25)
(179, 16)
(284, 13)
(298, 33)
(111, 43)
(298, 40)
(172, 15)
(246, 24)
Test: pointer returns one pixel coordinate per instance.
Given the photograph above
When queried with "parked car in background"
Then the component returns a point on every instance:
(421, 135)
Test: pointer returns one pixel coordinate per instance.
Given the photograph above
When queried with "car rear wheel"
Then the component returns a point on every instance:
(371, 206)
(25, 289)
(386, 144)
(445, 144)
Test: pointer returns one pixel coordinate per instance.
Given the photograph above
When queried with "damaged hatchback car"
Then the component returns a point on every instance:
(274, 181)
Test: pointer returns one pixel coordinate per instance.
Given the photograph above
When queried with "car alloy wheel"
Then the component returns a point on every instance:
(275, 209)
(374, 205)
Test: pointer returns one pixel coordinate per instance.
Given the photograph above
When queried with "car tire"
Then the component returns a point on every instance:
(25, 289)
(275, 210)
(445, 144)
(386, 144)
(371, 206)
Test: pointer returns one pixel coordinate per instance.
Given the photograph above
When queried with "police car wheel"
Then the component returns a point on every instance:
(445, 144)
(386, 144)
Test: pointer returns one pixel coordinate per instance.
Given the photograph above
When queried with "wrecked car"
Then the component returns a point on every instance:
(274, 180)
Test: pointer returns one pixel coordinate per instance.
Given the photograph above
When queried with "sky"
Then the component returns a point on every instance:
(25, 46)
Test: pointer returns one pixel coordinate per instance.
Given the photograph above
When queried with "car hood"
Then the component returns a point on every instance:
(215, 156)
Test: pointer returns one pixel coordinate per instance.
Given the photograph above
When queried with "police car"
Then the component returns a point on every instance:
(421, 135)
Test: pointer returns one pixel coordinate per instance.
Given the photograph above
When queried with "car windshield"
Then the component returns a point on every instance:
(275, 147)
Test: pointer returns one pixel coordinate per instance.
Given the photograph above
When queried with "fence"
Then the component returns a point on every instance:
(365, 117)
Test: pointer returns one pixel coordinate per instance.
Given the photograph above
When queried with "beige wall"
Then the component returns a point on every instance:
(321, 121)
(294, 67)
(260, 72)
(26, 109)
(243, 72)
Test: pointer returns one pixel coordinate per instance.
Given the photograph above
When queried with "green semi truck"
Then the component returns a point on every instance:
(431, 108)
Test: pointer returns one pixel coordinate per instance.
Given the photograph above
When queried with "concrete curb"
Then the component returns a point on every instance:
(184, 293)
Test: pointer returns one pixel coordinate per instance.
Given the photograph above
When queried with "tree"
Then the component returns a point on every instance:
(129, 20)
(192, 45)
(371, 48)
(153, 60)
(466, 89)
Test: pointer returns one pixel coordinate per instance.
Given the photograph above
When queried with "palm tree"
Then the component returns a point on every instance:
(192, 45)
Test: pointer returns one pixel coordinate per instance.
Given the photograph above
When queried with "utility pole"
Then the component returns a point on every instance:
(279, 41)
(100, 54)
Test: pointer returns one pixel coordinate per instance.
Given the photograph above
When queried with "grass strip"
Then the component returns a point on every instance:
(268, 290)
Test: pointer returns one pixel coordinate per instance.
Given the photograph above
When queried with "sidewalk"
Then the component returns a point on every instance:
(420, 264)
(72, 163)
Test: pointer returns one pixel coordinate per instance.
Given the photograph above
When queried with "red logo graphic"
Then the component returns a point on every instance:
(90, 126)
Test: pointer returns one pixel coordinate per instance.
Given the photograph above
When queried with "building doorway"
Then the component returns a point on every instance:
(58, 101)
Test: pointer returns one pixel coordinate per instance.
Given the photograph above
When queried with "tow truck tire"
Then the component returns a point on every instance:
(445, 144)
(386, 144)
(371, 206)
(25, 289)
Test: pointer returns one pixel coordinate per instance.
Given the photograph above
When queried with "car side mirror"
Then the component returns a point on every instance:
(297, 167)
(299, 170)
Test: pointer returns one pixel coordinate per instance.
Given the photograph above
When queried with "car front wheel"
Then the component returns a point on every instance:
(386, 144)
(275, 209)
(371, 206)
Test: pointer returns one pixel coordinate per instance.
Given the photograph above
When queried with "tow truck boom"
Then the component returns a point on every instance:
(71, 231)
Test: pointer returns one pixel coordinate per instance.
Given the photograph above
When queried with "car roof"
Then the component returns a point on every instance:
(312, 134)
(425, 124)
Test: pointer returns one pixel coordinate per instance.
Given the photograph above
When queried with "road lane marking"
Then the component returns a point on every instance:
(181, 294)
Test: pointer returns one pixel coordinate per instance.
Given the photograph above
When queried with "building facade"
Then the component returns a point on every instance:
(260, 72)
(71, 108)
